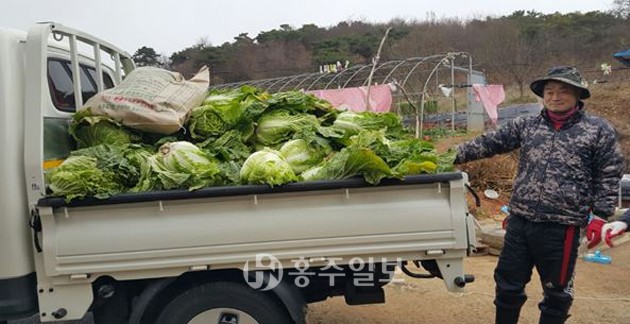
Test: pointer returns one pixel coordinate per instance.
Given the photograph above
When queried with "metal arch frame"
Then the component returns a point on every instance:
(422, 60)
(445, 59)
(317, 80)
(405, 62)
(420, 118)
(229, 85)
(305, 79)
(280, 79)
(410, 67)
(395, 68)
(263, 83)
(378, 68)
(334, 78)
(347, 71)
(351, 73)
(238, 84)
(291, 80)
(219, 86)
(355, 73)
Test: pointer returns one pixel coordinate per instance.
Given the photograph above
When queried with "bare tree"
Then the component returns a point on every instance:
(621, 8)
(509, 55)
(202, 42)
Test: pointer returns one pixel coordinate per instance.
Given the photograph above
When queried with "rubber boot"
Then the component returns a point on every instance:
(507, 316)
(546, 318)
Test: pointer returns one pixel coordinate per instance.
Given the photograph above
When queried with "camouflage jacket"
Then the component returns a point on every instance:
(562, 174)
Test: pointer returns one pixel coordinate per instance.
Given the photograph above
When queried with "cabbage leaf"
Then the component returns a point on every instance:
(267, 167)
(79, 177)
(88, 130)
(181, 165)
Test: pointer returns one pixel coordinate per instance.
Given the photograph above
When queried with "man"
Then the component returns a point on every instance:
(570, 165)
(616, 228)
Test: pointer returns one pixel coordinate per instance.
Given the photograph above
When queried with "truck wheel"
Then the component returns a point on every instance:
(224, 303)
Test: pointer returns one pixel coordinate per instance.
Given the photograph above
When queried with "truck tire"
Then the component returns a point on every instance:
(224, 303)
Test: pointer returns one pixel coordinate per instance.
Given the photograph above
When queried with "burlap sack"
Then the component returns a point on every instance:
(152, 99)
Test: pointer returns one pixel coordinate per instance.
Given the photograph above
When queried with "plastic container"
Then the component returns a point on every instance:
(598, 257)
(491, 194)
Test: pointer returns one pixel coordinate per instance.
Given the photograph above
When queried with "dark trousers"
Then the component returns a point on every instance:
(552, 249)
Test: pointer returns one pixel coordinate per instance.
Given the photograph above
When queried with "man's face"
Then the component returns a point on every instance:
(559, 96)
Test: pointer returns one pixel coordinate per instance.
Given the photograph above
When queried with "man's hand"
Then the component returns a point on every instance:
(594, 231)
(613, 229)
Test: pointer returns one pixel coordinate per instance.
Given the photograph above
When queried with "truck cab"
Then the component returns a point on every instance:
(37, 70)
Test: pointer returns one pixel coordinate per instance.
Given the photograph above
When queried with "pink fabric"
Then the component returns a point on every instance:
(353, 99)
(490, 96)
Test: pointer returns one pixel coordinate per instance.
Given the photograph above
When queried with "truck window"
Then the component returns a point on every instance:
(60, 83)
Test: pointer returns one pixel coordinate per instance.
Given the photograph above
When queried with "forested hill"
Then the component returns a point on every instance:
(509, 48)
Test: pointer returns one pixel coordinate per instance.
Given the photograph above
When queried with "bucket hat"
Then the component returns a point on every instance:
(567, 74)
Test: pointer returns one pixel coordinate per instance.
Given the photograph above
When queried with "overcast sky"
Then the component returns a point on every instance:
(169, 26)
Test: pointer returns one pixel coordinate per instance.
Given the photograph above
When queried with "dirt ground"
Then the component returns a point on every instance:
(602, 291)
(602, 296)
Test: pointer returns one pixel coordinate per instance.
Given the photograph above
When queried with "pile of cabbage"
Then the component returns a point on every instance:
(242, 136)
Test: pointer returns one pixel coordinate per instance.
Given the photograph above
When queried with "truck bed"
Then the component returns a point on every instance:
(157, 234)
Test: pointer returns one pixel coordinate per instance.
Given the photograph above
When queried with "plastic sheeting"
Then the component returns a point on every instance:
(354, 99)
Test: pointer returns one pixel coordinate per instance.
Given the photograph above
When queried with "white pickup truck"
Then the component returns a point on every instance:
(244, 254)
